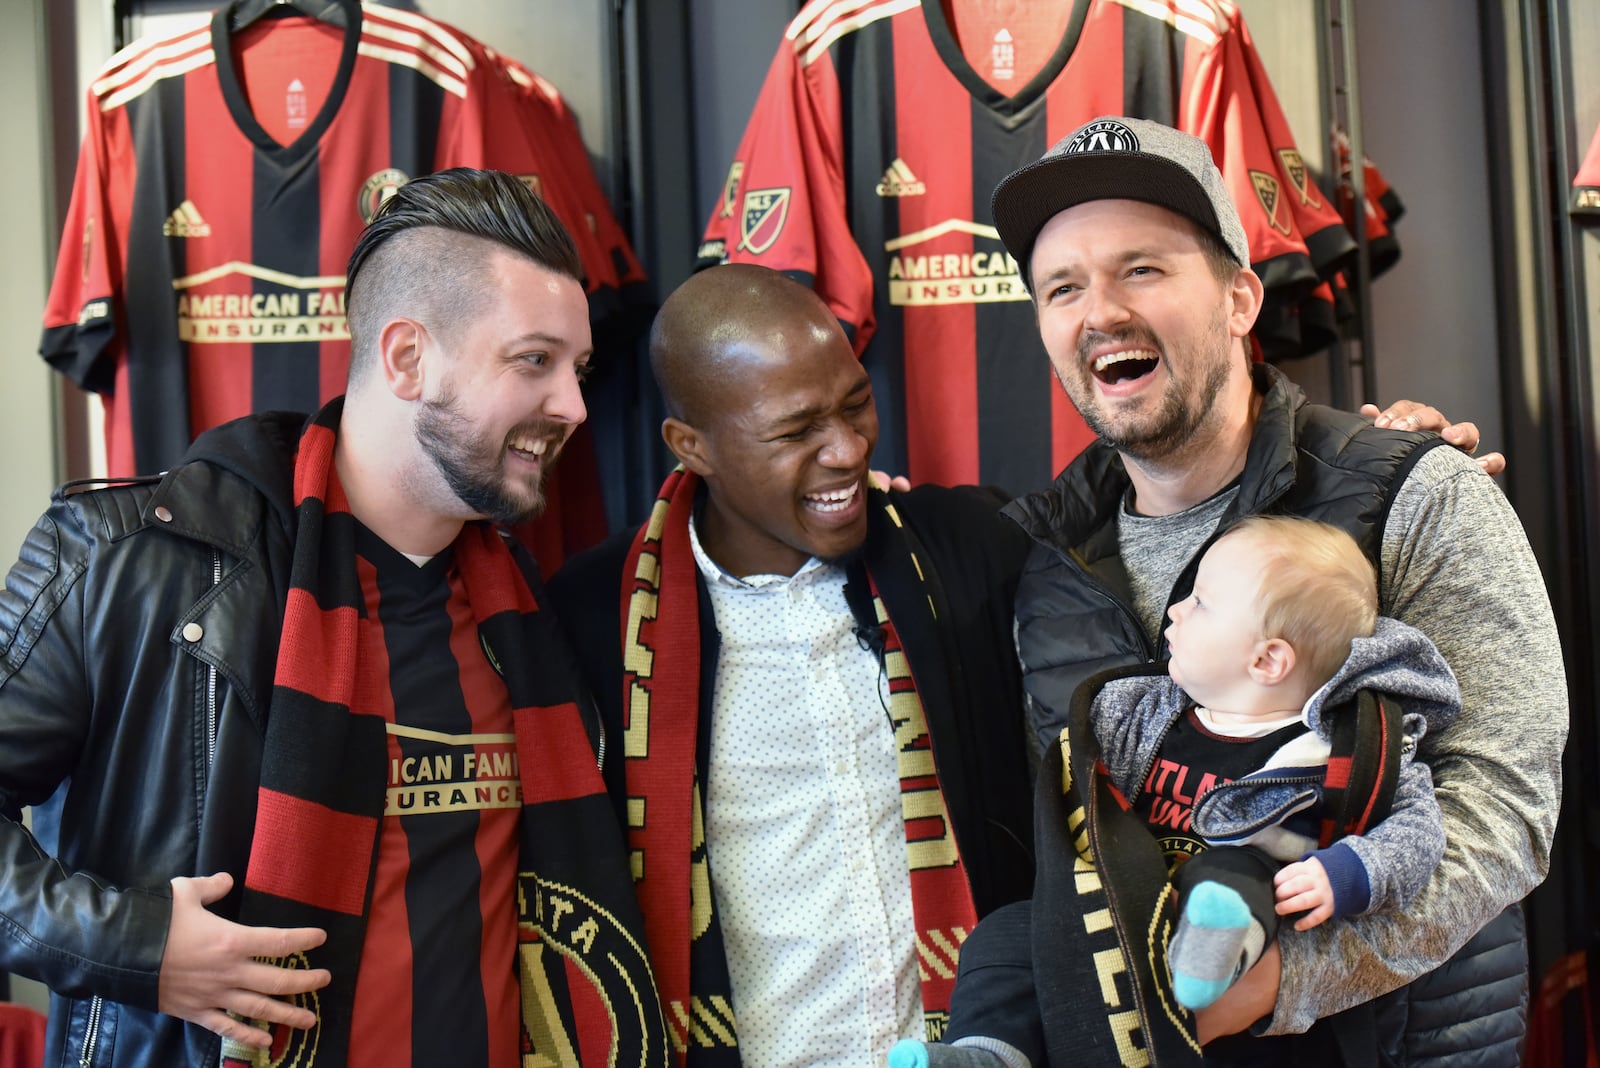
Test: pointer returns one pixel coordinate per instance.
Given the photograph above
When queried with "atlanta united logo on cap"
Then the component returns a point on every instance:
(1107, 135)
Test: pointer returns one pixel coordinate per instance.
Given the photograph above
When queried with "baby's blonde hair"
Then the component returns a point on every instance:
(1318, 589)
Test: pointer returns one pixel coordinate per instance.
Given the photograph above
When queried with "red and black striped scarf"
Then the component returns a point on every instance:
(666, 834)
(587, 993)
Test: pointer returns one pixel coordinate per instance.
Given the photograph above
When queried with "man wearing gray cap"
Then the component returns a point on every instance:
(1141, 279)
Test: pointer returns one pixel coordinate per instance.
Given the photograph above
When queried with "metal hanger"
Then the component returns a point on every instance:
(242, 13)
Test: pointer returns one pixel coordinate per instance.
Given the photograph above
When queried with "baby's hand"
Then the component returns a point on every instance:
(1303, 887)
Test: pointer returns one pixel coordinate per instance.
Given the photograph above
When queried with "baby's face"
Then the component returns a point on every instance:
(1214, 631)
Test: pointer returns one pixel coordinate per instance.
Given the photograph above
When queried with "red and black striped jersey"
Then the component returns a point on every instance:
(438, 967)
(867, 167)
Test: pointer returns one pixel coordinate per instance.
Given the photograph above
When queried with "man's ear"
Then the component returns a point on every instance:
(400, 357)
(1244, 302)
(688, 445)
(1271, 662)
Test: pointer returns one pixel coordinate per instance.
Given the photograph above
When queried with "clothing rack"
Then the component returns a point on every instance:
(1341, 99)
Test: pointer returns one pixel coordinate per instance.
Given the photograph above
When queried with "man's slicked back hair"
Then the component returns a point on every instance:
(430, 216)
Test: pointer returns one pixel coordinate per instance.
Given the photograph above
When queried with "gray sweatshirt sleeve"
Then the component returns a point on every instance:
(1400, 853)
(1457, 566)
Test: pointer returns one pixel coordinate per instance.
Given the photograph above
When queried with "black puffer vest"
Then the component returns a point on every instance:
(1075, 613)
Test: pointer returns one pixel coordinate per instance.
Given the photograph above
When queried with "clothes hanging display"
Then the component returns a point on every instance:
(867, 166)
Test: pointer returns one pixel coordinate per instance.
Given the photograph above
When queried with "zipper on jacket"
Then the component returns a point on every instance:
(91, 1033)
(211, 715)
(1253, 781)
(1155, 753)
(211, 678)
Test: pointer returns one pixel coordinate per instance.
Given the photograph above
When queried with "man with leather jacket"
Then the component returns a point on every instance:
(1141, 279)
(310, 757)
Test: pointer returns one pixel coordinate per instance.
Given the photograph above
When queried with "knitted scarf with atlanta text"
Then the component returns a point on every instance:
(663, 751)
(587, 993)
(1103, 912)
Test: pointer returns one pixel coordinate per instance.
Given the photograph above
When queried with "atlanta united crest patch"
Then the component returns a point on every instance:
(1107, 135)
(1269, 193)
(730, 189)
(378, 188)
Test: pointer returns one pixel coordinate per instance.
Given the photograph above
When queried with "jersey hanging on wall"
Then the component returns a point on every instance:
(868, 164)
(222, 182)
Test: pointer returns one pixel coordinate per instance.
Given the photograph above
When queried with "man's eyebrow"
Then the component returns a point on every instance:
(811, 411)
(536, 336)
(1122, 259)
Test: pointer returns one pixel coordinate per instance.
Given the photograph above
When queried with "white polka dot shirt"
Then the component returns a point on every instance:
(804, 828)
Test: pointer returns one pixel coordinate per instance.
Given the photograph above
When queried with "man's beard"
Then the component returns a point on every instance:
(1174, 423)
(473, 466)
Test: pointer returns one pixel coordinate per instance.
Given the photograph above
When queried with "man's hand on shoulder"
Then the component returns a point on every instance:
(883, 481)
(209, 968)
(1414, 415)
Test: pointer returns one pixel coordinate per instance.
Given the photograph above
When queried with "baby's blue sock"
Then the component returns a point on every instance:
(969, 1053)
(1217, 941)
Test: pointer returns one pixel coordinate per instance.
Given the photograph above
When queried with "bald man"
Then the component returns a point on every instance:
(313, 754)
(815, 696)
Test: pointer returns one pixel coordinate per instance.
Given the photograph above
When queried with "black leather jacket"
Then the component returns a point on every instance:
(138, 638)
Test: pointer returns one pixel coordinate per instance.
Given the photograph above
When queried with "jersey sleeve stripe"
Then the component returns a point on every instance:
(1156, 9)
(155, 74)
(816, 10)
(819, 16)
(116, 74)
(441, 36)
(417, 63)
(129, 53)
(812, 47)
(441, 58)
(1209, 12)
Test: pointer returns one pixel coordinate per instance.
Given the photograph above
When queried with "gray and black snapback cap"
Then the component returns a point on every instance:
(1113, 158)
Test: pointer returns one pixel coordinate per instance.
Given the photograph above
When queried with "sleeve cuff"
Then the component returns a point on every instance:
(1352, 891)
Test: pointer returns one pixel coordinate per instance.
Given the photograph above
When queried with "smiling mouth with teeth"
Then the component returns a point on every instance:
(1125, 365)
(833, 500)
(531, 446)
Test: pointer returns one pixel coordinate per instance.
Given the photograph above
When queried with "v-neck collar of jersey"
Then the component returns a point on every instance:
(396, 566)
(949, 49)
(233, 93)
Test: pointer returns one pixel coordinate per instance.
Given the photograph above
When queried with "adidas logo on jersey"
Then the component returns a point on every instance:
(898, 181)
(185, 221)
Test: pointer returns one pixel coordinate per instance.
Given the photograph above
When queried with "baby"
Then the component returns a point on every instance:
(1225, 758)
